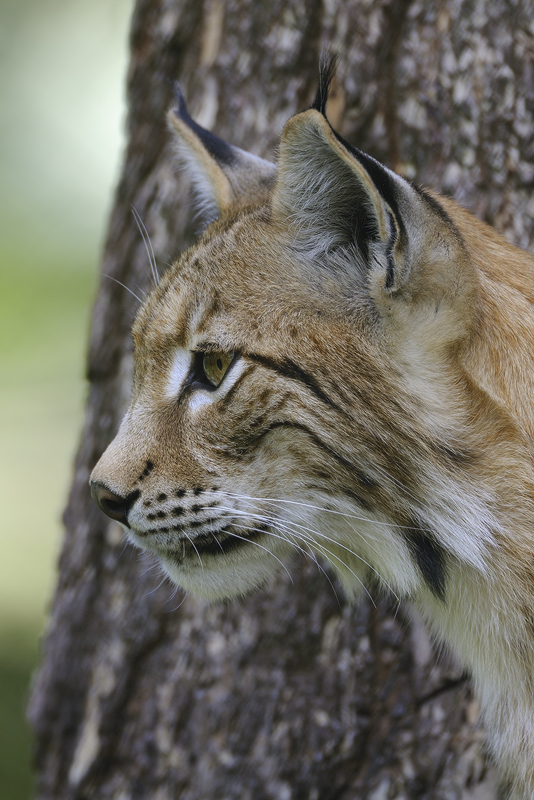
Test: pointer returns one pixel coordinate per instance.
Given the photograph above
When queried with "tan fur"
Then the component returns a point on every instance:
(378, 412)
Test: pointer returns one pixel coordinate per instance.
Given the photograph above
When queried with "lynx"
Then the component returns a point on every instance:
(342, 365)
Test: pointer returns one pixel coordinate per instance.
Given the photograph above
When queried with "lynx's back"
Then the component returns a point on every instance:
(342, 365)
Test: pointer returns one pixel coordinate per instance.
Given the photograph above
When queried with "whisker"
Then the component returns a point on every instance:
(123, 286)
(149, 559)
(195, 549)
(398, 483)
(126, 543)
(148, 245)
(326, 511)
(307, 553)
(172, 610)
(250, 541)
(317, 533)
(324, 550)
(175, 590)
(155, 589)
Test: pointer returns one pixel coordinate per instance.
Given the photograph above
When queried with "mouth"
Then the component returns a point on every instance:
(188, 544)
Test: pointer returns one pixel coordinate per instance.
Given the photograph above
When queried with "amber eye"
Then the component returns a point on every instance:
(215, 366)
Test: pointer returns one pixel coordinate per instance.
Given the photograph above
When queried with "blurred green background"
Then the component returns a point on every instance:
(62, 66)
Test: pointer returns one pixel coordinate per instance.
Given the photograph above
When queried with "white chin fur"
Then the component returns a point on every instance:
(218, 582)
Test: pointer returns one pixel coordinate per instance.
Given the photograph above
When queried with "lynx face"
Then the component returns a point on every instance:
(261, 422)
(272, 408)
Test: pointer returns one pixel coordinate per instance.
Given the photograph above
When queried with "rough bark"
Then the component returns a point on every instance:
(291, 693)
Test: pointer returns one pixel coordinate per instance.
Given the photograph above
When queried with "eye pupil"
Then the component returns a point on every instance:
(215, 365)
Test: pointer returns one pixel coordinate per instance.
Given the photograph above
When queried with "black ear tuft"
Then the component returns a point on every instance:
(222, 152)
(327, 70)
(181, 106)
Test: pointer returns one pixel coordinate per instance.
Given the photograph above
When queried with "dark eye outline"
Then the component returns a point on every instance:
(197, 378)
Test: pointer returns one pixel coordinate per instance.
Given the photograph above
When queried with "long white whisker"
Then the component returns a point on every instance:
(126, 543)
(289, 524)
(282, 501)
(324, 550)
(194, 548)
(308, 553)
(172, 610)
(155, 589)
(149, 559)
(148, 245)
(123, 286)
(251, 541)
(316, 533)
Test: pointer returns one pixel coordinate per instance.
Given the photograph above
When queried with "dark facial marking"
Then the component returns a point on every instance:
(147, 470)
(288, 369)
(430, 559)
(177, 511)
(162, 497)
(198, 523)
(457, 456)
(180, 493)
(301, 427)
(229, 396)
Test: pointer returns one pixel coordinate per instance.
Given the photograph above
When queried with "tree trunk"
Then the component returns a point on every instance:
(291, 693)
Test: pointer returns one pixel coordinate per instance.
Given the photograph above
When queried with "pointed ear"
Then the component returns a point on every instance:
(223, 176)
(335, 196)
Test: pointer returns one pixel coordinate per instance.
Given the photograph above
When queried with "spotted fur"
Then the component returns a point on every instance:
(377, 411)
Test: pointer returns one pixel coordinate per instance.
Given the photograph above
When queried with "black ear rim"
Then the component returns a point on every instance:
(221, 151)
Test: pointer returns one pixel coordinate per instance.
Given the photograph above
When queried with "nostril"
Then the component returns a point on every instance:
(112, 504)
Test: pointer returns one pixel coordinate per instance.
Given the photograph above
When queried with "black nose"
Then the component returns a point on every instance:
(112, 504)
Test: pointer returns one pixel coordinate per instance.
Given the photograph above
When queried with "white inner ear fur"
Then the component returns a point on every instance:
(218, 187)
(211, 186)
(320, 182)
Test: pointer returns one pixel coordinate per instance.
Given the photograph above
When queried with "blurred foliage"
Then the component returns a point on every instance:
(61, 71)
(18, 655)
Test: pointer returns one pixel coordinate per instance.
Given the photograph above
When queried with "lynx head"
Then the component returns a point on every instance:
(294, 374)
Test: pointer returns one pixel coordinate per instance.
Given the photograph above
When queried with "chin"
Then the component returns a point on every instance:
(222, 580)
